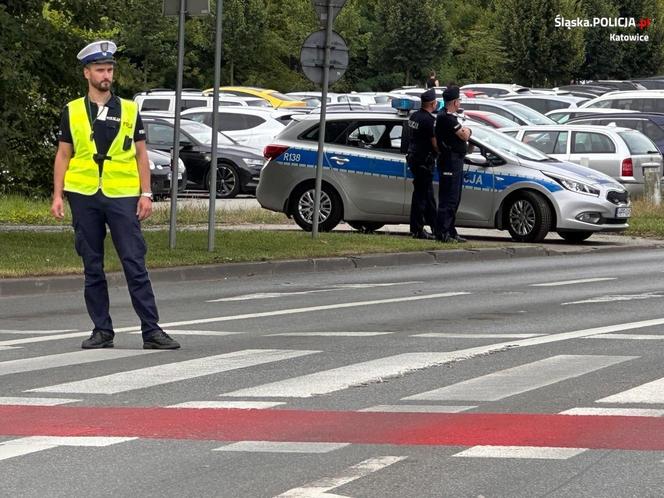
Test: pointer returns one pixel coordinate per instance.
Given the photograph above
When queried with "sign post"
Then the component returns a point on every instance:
(315, 58)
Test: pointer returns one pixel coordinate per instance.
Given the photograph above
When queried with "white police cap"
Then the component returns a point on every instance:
(98, 52)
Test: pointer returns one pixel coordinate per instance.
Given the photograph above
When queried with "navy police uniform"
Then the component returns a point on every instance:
(450, 167)
(421, 161)
(91, 214)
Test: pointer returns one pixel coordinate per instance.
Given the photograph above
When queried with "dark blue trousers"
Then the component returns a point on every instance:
(423, 202)
(91, 214)
(450, 185)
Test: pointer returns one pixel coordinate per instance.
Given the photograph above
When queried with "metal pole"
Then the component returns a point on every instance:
(321, 127)
(176, 129)
(215, 126)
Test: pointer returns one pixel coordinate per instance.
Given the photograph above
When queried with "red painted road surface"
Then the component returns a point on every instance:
(470, 429)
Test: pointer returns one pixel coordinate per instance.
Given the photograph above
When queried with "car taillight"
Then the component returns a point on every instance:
(627, 168)
(273, 151)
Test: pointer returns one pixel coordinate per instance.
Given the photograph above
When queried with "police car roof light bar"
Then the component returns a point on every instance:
(406, 104)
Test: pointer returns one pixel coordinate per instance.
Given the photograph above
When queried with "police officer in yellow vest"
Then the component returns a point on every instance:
(102, 167)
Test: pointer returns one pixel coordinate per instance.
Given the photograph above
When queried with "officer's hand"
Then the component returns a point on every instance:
(144, 208)
(466, 133)
(58, 208)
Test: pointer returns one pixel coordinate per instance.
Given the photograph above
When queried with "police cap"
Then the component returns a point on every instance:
(451, 93)
(98, 52)
(428, 96)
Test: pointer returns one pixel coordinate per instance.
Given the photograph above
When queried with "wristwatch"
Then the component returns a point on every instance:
(147, 194)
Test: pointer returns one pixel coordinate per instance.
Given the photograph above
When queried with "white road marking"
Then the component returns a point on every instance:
(35, 401)
(43, 338)
(225, 405)
(617, 297)
(536, 452)
(173, 372)
(649, 393)
(4, 348)
(443, 335)
(336, 379)
(32, 332)
(417, 409)
(630, 337)
(281, 447)
(573, 282)
(269, 295)
(67, 359)
(310, 309)
(329, 334)
(196, 332)
(614, 412)
(318, 488)
(33, 444)
(521, 379)
(327, 377)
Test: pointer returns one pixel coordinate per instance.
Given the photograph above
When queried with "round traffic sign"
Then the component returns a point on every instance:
(312, 57)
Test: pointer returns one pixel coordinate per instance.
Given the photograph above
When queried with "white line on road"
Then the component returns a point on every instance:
(521, 379)
(281, 447)
(226, 405)
(4, 348)
(443, 335)
(8, 400)
(417, 409)
(31, 332)
(630, 337)
(649, 393)
(269, 295)
(196, 332)
(33, 444)
(43, 338)
(539, 452)
(573, 282)
(616, 298)
(318, 488)
(67, 359)
(614, 412)
(329, 334)
(173, 372)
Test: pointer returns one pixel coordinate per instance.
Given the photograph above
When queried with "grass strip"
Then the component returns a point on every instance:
(647, 220)
(52, 253)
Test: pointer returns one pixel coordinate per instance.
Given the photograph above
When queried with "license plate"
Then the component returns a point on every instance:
(623, 212)
(170, 175)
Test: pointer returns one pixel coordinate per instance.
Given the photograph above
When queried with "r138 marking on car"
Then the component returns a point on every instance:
(292, 157)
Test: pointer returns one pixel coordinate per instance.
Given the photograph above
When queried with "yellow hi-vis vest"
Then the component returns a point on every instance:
(119, 176)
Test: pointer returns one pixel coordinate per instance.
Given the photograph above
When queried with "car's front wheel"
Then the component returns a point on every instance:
(366, 226)
(228, 181)
(575, 237)
(529, 217)
(302, 208)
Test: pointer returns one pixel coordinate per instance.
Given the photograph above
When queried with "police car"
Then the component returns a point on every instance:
(508, 185)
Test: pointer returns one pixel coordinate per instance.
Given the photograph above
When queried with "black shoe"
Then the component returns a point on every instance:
(160, 340)
(423, 235)
(458, 238)
(99, 339)
(444, 238)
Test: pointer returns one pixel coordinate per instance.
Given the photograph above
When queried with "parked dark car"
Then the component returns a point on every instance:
(238, 167)
(160, 174)
(651, 124)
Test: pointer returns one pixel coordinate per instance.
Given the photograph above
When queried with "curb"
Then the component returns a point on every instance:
(14, 287)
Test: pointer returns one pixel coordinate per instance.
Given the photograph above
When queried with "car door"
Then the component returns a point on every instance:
(365, 163)
(551, 142)
(595, 150)
(477, 197)
(160, 137)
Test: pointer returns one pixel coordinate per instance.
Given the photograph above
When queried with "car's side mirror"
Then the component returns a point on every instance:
(476, 159)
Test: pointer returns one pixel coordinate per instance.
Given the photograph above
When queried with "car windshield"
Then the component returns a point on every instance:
(500, 141)
(637, 142)
(529, 114)
(203, 133)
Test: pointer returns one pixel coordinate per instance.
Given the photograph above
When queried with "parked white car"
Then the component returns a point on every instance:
(639, 100)
(251, 126)
(621, 153)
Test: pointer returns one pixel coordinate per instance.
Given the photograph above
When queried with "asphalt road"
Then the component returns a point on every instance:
(511, 378)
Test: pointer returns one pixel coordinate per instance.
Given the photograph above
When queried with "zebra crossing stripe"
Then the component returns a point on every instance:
(173, 372)
(7, 400)
(24, 446)
(281, 447)
(540, 452)
(521, 379)
(649, 393)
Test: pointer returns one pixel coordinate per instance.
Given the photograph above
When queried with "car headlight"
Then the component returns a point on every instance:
(576, 186)
(253, 162)
(181, 167)
(151, 163)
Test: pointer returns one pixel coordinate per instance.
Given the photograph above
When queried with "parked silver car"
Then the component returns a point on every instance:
(366, 182)
(519, 113)
(621, 153)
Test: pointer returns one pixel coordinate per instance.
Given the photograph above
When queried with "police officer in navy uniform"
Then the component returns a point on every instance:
(421, 159)
(452, 141)
(101, 166)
